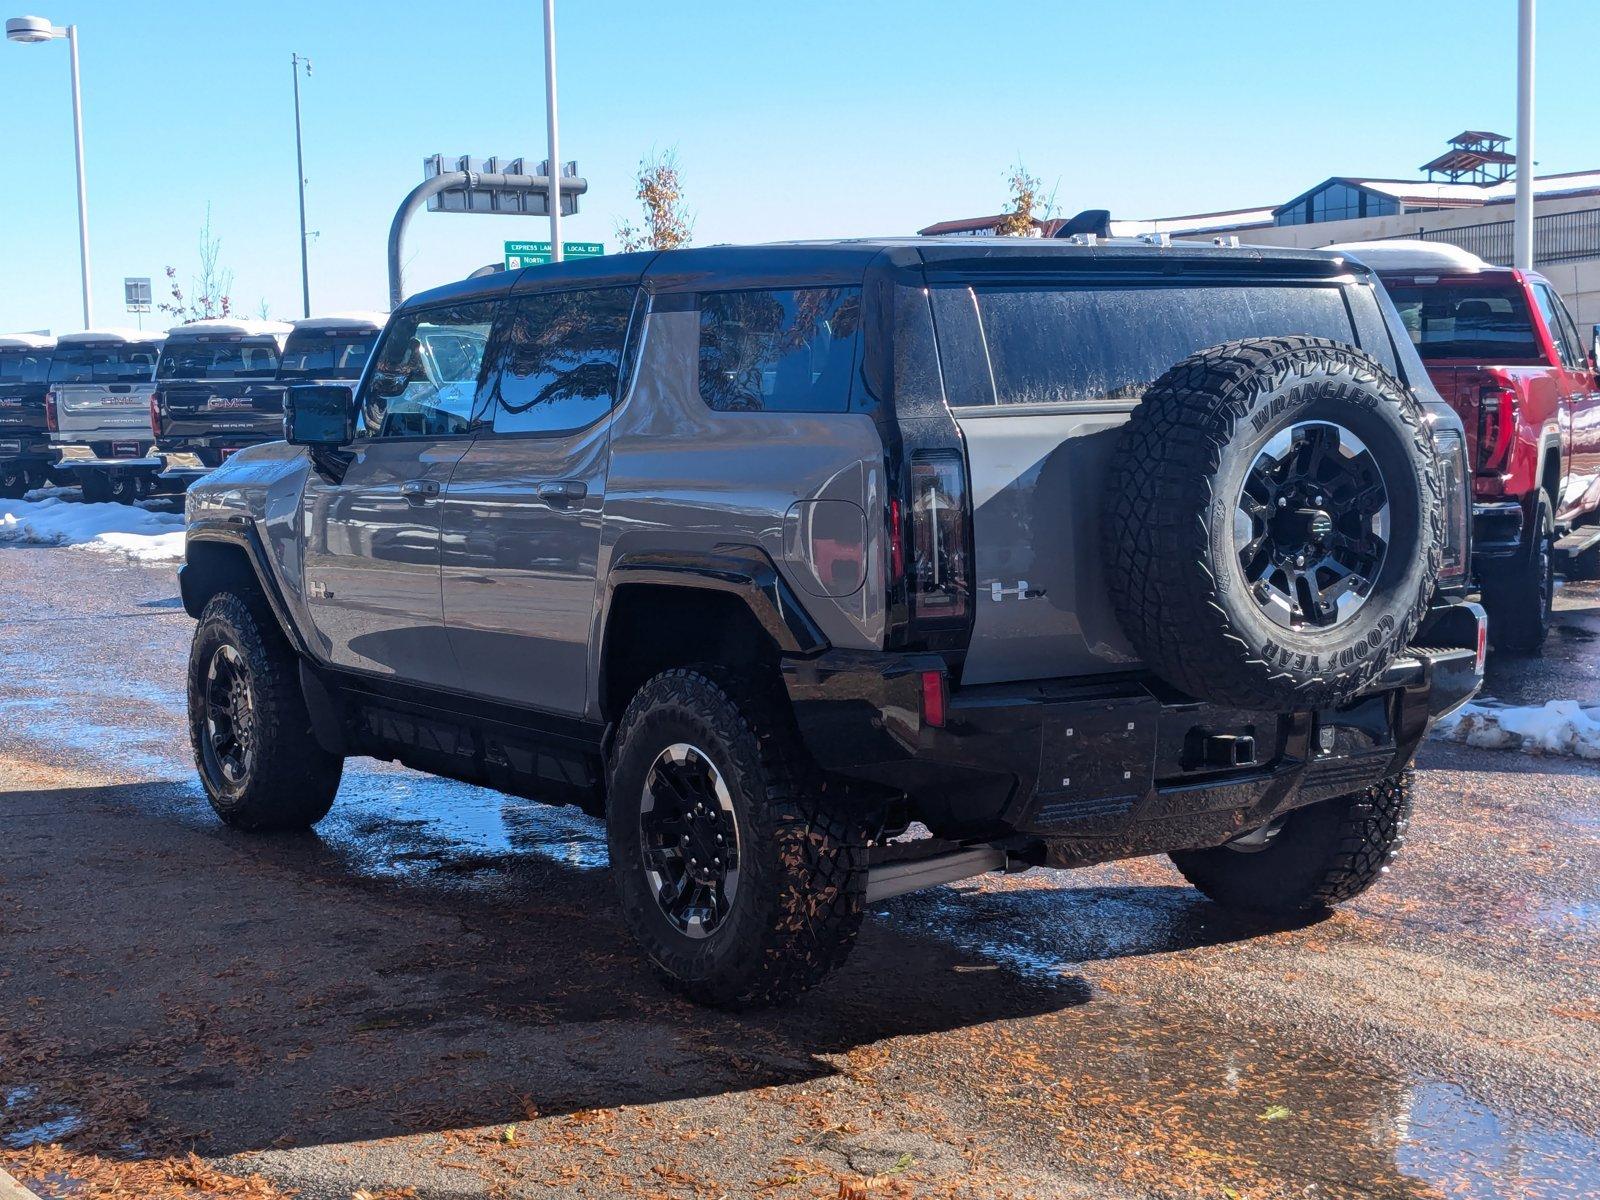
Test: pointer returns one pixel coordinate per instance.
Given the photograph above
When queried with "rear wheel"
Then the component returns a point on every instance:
(13, 480)
(1520, 596)
(261, 766)
(96, 486)
(1310, 859)
(740, 874)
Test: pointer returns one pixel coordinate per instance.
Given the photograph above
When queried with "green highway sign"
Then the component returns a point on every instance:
(533, 254)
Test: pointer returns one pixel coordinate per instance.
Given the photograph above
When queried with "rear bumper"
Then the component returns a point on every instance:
(1117, 766)
(1496, 529)
(139, 456)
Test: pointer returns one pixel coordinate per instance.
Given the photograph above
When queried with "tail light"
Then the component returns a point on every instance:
(1497, 423)
(51, 422)
(938, 576)
(155, 414)
(1452, 457)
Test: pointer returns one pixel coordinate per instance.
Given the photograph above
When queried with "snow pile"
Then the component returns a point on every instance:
(1557, 727)
(133, 532)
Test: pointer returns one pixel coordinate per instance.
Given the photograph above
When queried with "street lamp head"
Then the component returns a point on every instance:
(31, 29)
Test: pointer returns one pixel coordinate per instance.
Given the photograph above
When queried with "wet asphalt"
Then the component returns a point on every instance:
(434, 991)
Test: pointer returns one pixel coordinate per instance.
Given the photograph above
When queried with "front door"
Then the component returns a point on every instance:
(522, 514)
(372, 535)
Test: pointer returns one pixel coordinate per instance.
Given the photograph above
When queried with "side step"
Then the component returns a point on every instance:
(1585, 537)
(897, 878)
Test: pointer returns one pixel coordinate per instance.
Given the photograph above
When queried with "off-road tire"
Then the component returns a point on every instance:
(803, 846)
(1519, 596)
(292, 780)
(1169, 550)
(1325, 854)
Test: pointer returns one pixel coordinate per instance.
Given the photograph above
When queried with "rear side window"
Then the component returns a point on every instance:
(119, 362)
(1480, 321)
(789, 350)
(223, 358)
(1058, 345)
(554, 364)
(24, 365)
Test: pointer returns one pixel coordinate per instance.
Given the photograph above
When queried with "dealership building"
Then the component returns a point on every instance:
(1464, 199)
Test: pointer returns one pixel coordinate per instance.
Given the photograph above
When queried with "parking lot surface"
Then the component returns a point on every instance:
(435, 993)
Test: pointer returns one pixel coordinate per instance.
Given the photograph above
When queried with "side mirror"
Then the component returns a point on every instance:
(388, 384)
(316, 414)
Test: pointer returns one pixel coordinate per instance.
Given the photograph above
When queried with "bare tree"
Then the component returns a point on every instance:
(213, 287)
(1020, 219)
(667, 222)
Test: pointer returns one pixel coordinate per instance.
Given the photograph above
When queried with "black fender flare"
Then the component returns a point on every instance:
(734, 569)
(241, 534)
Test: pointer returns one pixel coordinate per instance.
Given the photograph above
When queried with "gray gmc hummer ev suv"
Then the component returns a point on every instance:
(1046, 553)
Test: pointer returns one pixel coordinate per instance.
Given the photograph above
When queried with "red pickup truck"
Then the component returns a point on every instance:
(1502, 349)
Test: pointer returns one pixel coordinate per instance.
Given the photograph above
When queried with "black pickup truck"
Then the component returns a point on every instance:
(220, 385)
(25, 455)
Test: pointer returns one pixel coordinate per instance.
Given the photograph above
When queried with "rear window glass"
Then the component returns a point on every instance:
(226, 358)
(788, 350)
(1466, 321)
(120, 362)
(23, 365)
(323, 355)
(1056, 345)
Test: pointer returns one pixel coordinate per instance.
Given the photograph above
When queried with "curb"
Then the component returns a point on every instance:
(10, 1189)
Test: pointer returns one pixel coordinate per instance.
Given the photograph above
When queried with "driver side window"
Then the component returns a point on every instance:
(425, 380)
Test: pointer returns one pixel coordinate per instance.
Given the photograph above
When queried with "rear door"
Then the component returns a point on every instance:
(522, 514)
(372, 535)
(1041, 376)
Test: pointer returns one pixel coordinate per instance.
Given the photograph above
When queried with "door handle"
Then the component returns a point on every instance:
(420, 491)
(559, 493)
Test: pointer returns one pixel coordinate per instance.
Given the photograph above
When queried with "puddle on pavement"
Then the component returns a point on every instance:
(399, 825)
(1578, 916)
(1191, 1092)
(54, 1128)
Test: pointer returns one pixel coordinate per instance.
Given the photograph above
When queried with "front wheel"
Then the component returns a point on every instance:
(260, 764)
(1312, 858)
(1520, 596)
(740, 874)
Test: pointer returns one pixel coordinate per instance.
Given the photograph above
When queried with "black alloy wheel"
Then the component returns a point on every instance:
(230, 724)
(1312, 525)
(689, 838)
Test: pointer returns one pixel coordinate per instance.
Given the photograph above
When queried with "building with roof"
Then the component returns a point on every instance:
(1465, 200)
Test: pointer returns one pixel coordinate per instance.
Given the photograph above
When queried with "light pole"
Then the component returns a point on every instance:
(555, 136)
(295, 63)
(1522, 209)
(37, 29)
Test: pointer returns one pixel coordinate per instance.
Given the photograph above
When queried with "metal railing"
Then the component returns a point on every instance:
(1557, 237)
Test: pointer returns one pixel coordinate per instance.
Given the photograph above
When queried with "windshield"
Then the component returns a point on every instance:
(24, 364)
(112, 362)
(326, 355)
(229, 358)
(1469, 320)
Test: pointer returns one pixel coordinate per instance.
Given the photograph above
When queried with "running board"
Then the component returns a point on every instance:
(898, 878)
(1583, 538)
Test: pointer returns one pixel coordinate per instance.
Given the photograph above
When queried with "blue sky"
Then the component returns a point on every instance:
(790, 120)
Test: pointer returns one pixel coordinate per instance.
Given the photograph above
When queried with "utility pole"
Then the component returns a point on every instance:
(555, 136)
(295, 63)
(1522, 214)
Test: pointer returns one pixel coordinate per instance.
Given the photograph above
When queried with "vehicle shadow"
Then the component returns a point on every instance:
(175, 984)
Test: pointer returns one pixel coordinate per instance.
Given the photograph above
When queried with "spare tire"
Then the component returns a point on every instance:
(1273, 524)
